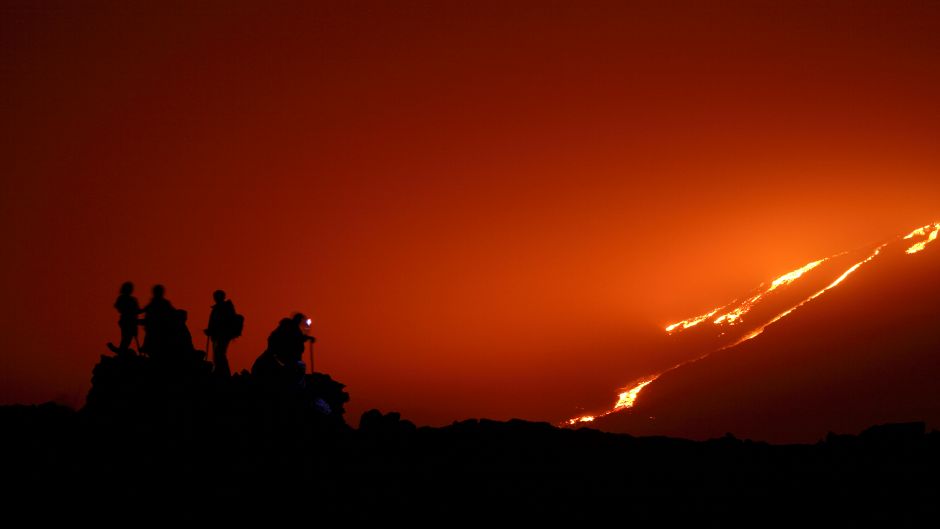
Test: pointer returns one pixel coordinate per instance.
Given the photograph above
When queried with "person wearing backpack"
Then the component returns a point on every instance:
(224, 326)
(129, 310)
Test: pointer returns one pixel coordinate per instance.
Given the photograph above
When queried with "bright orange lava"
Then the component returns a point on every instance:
(692, 322)
(832, 285)
(733, 315)
(922, 232)
(627, 399)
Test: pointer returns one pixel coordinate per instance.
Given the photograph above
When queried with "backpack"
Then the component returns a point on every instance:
(237, 326)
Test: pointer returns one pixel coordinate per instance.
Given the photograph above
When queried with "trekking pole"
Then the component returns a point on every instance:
(309, 322)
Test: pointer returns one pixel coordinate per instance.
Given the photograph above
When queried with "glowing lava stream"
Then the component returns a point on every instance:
(732, 316)
(922, 232)
(624, 400)
(853, 268)
(627, 398)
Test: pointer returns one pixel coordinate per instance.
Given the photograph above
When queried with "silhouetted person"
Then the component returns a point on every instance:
(181, 340)
(223, 324)
(160, 322)
(287, 341)
(297, 338)
(129, 309)
(282, 363)
(270, 367)
(279, 341)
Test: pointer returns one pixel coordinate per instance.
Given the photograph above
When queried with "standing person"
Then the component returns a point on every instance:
(181, 340)
(129, 309)
(159, 323)
(223, 324)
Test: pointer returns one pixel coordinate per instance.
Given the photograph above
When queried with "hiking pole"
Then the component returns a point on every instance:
(310, 345)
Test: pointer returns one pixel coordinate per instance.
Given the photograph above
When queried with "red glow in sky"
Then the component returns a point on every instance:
(487, 209)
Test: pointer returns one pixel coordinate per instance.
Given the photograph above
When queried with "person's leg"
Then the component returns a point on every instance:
(127, 336)
(220, 358)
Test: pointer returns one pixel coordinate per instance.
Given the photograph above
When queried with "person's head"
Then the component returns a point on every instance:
(218, 296)
(127, 288)
(298, 318)
(158, 291)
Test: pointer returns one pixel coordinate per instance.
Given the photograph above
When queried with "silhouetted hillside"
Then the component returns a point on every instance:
(176, 446)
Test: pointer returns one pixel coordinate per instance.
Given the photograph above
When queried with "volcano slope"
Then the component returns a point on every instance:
(864, 351)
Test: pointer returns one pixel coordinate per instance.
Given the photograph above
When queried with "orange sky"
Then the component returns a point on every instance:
(487, 210)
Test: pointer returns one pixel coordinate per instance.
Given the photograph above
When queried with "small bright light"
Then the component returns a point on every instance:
(309, 321)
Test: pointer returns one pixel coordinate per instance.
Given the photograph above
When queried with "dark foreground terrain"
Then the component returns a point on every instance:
(172, 445)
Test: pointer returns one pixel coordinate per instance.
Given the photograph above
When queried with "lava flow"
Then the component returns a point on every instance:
(624, 400)
(922, 232)
(627, 398)
(742, 308)
(832, 285)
